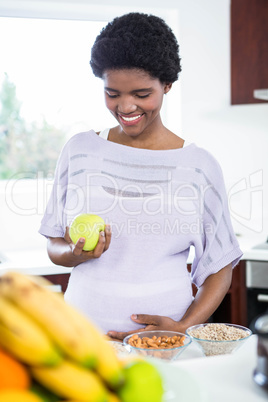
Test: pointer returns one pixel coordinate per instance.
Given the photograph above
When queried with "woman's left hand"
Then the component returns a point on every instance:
(151, 322)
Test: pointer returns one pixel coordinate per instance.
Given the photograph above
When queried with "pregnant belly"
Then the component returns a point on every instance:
(110, 304)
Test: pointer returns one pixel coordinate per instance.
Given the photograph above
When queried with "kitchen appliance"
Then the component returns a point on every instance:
(260, 327)
(257, 286)
(260, 94)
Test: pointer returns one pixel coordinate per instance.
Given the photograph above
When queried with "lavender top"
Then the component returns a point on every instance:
(158, 203)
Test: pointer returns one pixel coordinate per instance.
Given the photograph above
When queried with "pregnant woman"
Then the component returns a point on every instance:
(157, 194)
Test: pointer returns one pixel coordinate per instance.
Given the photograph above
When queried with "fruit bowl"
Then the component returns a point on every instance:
(167, 345)
(218, 338)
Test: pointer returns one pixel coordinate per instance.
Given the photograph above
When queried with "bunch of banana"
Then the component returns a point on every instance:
(63, 350)
(21, 336)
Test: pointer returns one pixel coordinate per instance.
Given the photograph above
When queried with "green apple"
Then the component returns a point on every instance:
(143, 383)
(87, 226)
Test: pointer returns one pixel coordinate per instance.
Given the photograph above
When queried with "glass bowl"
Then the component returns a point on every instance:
(156, 347)
(218, 338)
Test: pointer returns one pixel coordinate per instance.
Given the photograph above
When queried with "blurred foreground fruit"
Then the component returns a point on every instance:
(23, 337)
(79, 365)
(71, 331)
(71, 381)
(108, 365)
(42, 392)
(143, 383)
(18, 396)
(50, 311)
(13, 374)
(87, 226)
(113, 398)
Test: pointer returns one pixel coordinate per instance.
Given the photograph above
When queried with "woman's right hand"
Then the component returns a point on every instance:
(62, 251)
(101, 247)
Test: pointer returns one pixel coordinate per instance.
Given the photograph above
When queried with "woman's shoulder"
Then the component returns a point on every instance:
(203, 161)
(79, 140)
(77, 144)
(81, 136)
(203, 157)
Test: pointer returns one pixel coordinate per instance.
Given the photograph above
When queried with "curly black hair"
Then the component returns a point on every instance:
(137, 40)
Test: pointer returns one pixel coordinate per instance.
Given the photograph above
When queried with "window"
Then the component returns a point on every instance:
(48, 93)
(47, 87)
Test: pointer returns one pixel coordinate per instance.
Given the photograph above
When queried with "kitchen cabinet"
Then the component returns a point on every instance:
(249, 49)
(59, 279)
(233, 308)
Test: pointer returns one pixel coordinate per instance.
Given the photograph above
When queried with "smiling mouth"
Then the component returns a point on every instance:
(130, 119)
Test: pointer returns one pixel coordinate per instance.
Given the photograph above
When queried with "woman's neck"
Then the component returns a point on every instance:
(160, 139)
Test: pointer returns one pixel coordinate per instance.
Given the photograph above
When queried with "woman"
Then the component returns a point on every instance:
(158, 196)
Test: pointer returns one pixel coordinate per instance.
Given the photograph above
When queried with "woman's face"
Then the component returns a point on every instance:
(134, 98)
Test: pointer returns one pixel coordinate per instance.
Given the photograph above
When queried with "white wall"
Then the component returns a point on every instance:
(236, 135)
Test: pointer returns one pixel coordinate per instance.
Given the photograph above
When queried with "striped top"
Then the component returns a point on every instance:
(158, 203)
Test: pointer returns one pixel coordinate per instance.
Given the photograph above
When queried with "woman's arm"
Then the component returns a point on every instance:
(62, 251)
(206, 301)
(208, 298)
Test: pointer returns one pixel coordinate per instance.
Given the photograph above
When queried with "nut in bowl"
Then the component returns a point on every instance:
(167, 345)
(218, 338)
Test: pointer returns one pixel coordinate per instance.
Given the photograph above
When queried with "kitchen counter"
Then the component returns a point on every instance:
(224, 378)
(227, 377)
(248, 245)
(220, 378)
(31, 262)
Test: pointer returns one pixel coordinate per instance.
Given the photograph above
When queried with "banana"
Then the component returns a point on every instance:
(15, 395)
(50, 311)
(74, 333)
(23, 338)
(109, 367)
(113, 398)
(70, 381)
(42, 392)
